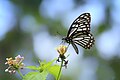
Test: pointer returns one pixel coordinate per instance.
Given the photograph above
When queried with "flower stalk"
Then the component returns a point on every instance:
(19, 72)
(60, 70)
(62, 50)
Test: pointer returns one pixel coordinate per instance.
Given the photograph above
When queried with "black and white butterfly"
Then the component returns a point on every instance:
(79, 33)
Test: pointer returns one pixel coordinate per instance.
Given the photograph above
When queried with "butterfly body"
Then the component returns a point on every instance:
(67, 39)
(79, 33)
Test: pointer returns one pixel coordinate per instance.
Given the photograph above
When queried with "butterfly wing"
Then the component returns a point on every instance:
(79, 32)
(84, 40)
(80, 25)
(75, 48)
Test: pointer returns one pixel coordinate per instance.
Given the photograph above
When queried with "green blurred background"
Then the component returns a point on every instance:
(34, 28)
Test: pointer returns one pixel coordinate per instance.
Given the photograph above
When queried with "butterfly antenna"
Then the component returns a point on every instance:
(58, 33)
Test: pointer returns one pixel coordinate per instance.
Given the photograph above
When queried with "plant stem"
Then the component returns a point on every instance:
(20, 73)
(60, 70)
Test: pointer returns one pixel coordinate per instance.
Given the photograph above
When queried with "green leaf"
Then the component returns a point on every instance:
(36, 76)
(54, 70)
(47, 65)
(43, 70)
(32, 67)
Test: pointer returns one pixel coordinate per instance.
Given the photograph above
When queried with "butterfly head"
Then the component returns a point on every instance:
(63, 38)
(66, 39)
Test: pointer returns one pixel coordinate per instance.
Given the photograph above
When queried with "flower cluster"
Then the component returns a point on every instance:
(14, 64)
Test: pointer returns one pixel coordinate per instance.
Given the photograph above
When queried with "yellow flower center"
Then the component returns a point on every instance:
(62, 49)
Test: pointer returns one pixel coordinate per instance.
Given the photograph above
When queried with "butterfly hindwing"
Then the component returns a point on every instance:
(75, 48)
(86, 41)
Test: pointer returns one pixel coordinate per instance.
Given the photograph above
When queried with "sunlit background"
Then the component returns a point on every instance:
(34, 28)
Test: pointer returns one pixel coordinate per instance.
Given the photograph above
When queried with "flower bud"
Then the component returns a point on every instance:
(62, 49)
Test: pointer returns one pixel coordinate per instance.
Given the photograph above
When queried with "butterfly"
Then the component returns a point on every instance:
(79, 33)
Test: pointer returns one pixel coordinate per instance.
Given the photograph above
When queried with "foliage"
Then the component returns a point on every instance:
(42, 71)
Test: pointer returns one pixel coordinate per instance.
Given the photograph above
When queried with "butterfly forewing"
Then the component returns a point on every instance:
(81, 24)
